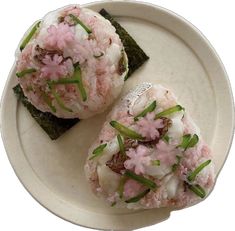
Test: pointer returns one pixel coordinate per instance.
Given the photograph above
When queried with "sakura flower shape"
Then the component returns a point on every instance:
(59, 37)
(139, 158)
(54, 67)
(166, 153)
(148, 126)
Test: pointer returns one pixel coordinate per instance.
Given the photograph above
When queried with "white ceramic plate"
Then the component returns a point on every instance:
(181, 59)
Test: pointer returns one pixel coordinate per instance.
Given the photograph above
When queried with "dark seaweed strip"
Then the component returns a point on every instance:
(136, 56)
(52, 125)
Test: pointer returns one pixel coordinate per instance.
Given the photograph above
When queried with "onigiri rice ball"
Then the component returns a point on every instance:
(150, 154)
(72, 63)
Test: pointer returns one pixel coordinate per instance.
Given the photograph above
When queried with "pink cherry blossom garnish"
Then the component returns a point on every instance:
(54, 67)
(139, 158)
(59, 37)
(148, 127)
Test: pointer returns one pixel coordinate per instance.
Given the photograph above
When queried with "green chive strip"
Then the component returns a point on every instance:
(169, 111)
(185, 141)
(63, 81)
(48, 101)
(78, 76)
(156, 162)
(166, 139)
(25, 72)
(121, 186)
(98, 151)
(148, 109)
(126, 131)
(193, 174)
(176, 165)
(149, 183)
(121, 145)
(198, 190)
(29, 36)
(113, 204)
(78, 21)
(138, 197)
(193, 141)
(58, 99)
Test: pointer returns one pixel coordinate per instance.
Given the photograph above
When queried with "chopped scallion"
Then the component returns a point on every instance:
(126, 131)
(78, 21)
(25, 72)
(58, 99)
(149, 183)
(29, 36)
(156, 162)
(148, 109)
(78, 76)
(98, 151)
(192, 175)
(121, 145)
(48, 101)
(169, 111)
(138, 197)
(198, 190)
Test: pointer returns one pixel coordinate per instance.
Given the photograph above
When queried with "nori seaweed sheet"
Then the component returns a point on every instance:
(136, 56)
(54, 126)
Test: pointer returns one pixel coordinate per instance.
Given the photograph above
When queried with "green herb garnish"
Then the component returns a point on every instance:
(29, 36)
(98, 151)
(193, 141)
(176, 165)
(188, 141)
(192, 175)
(149, 183)
(121, 145)
(48, 101)
(113, 204)
(25, 72)
(138, 197)
(58, 99)
(169, 111)
(126, 131)
(63, 81)
(156, 162)
(78, 76)
(198, 190)
(166, 138)
(121, 186)
(78, 21)
(185, 141)
(150, 108)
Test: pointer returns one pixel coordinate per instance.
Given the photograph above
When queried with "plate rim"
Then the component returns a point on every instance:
(28, 184)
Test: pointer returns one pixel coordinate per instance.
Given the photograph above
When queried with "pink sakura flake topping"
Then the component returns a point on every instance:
(147, 126)
(54, 67)
(131, 188)
(139, 158)
(166, 153)
(59, 37)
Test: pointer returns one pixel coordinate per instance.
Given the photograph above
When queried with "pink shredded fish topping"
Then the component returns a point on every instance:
(59, 36)
(139, 158)
(148, 126)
